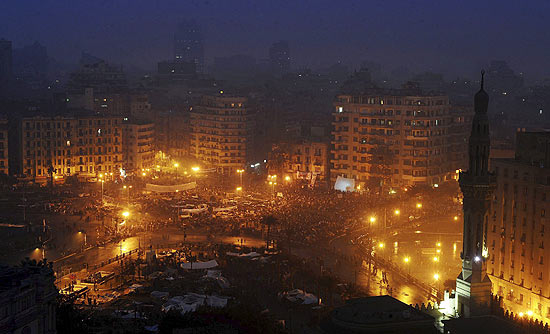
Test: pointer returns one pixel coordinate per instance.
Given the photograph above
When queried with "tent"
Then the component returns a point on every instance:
(344, 184)
(170, 189)
(200, 265)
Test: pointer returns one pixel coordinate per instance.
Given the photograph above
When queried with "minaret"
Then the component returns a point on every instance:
(473, 286)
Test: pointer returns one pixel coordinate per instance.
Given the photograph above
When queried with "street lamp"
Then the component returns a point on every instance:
(287, 178)
(455, 218)
(407, 260)
(102, 182)
(397, 212)
(195, 168)
(419, 205)
(85, 238)
(176, 165)
(128, 188)
(372, 219)
(125, 214)
(241, 171)
(239, 189)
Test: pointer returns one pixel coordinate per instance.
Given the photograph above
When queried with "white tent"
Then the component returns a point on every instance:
(170, 189)
(200, 265)
(344, 184)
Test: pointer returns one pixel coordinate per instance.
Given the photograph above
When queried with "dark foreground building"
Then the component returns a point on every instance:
(380, 314)
(27, 299)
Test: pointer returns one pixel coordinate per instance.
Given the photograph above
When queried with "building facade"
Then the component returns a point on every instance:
(27, 299)
(279, 57)
(138, 144)
(4, 163)
(221, 132)
(5, 60)
(302, 160)
(188, 46)
(81, 144)
(397, 138)
(519, 243)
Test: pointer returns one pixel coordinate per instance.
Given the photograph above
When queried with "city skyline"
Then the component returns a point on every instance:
(423, 37)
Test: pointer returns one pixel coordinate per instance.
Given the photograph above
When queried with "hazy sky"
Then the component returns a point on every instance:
(453, 36)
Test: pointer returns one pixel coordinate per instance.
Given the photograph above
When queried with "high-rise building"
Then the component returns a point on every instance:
(188, 45)
(4, 164)
(397, 138)
(473, 286)
(279, 57)
(85, 144)
(137, 144)
(517, 232)
(96, 73)
(221, 132)
(5, 60)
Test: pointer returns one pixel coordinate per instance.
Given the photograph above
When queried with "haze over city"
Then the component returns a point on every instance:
(274, 167)
(425, 35)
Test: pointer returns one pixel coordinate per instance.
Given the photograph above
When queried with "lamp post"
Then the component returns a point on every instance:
(407, 260)
(128, 189)
(241, 171)
(176, 165)
(102, 182)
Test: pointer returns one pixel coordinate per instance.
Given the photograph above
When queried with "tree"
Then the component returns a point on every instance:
(269, 221)
(381, 165)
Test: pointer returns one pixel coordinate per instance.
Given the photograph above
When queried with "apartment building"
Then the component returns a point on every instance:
(398, 138)
(84, 144)
(518, 239)
(4, 164)
(137, 144)
(221, 131)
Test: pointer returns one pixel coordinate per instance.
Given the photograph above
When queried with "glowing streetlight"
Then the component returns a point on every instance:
(239, 189)
(126, 214)
(176, 165)
(438, 251)
(530, 313)
(102, 182)
(520, 314)
(419, 205)
(436, 277)
(241, 171)
(381, 245)
(406, 259)
(143, 174)
(397, 212)
(436, 259)
(287, 178)
(372, 219)
(438, 244)
(455, 218)
(195, 168)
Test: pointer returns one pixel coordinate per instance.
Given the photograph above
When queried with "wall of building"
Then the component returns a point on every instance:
(221, 132)
(398, 140)
(518, 238)
(84, 145)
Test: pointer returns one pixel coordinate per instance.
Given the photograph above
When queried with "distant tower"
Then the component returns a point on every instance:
(279, 57)
(473, 286)
(188, 45)
(5, 60)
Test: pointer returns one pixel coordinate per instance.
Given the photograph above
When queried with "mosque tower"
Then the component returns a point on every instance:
(473, 286)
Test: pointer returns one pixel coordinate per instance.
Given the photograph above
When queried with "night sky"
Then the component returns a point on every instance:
(454, 37)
